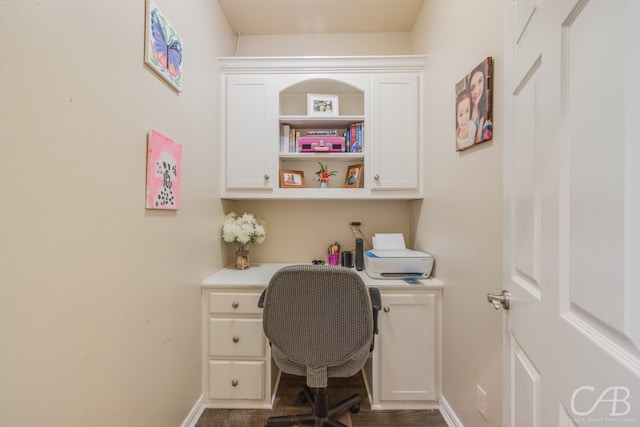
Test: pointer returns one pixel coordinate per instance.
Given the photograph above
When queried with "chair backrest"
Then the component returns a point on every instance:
(318, 316)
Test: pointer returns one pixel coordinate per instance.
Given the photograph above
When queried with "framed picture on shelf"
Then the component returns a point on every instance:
(291, 178)
(322, 105)
(354, 175)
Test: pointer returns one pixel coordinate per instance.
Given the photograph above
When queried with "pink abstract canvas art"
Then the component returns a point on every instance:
(164, 158)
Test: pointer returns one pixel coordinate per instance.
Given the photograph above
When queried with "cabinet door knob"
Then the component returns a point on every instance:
(236, 339)
(387, 309)
(266, 177)
(376, 177)
(234, 383)
(235, 304)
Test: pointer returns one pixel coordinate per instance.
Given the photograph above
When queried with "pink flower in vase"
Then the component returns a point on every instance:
(324, 173)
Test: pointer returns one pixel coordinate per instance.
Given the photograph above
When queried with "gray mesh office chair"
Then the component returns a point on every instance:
(320, 321)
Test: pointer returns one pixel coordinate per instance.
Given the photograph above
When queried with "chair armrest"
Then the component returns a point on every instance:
(376, 305)
(261, 299)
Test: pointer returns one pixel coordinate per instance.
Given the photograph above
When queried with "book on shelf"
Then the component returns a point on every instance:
(347, 140)
(285, 131)
(293, 141)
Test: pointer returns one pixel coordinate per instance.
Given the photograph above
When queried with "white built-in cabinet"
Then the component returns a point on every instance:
(262, 95)
(403, 372)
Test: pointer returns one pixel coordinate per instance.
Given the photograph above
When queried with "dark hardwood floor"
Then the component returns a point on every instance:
(339, 388)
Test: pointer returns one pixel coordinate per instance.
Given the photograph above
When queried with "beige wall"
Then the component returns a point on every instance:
(300, 231)
(99, 298)
(460, 220)
(324, 44)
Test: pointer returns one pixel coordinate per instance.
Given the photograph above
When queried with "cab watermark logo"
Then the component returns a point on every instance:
(601, 405)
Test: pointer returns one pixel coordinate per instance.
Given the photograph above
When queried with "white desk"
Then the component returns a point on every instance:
(238, 372)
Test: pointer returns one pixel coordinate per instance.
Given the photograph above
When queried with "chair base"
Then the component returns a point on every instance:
(322, 416)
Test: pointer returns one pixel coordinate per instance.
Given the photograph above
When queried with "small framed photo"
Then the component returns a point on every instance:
(322, 105)
(354, 176)
(291, 178)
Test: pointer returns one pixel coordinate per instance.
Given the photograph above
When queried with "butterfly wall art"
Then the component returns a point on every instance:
(163, 47)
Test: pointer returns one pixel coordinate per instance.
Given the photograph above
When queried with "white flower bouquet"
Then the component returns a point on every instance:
(243, 230)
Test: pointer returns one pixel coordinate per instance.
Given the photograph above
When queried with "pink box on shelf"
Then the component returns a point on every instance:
(310, 144)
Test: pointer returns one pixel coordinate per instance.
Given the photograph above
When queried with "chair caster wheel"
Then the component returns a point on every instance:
(302, 398)
(355, 409)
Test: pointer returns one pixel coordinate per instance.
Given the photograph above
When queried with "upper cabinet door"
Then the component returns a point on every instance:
(395, 132)
(250, 128)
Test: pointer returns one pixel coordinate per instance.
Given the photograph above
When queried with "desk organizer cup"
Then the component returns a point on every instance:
(334, 259)
(333, 254)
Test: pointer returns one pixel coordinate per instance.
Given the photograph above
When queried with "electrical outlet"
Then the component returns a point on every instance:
(481, 401)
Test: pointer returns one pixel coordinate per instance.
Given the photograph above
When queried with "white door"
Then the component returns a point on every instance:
(572, 213)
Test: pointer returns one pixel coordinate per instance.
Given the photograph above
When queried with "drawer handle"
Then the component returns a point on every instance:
(234, 383)
(387, 309)
(235, 304)
(236, 339)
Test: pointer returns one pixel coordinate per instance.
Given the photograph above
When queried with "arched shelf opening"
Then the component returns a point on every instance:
(293, 99)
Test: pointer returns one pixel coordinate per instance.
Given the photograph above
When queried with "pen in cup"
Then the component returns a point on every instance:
(333, 253)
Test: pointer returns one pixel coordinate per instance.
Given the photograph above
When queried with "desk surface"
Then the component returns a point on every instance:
(259, 275)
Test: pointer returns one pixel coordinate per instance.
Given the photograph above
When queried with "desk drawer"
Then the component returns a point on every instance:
(236, 380)
(234, 302)
(236, 337)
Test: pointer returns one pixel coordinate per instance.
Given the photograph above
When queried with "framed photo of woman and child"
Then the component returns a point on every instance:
(474, 106)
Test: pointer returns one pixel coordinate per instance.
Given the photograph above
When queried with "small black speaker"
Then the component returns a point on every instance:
(347, 259)
(359, 254)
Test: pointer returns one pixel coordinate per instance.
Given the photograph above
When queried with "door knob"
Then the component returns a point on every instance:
(499, 300)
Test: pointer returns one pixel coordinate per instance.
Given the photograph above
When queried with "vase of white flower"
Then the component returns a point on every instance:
(243, 231)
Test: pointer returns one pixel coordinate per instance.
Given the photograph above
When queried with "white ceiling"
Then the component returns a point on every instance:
(263, 17)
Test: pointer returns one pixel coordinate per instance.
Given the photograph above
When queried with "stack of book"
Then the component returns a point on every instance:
(288, 139)
(354, 138)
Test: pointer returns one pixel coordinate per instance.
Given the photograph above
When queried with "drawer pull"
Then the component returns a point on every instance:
(236, 339)
(235, 304)
(234, 383)
(387, 309)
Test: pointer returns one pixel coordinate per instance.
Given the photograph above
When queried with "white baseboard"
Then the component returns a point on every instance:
(194, 414)
(447, 413)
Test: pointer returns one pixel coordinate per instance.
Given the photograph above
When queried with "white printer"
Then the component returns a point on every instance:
(390, 259)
